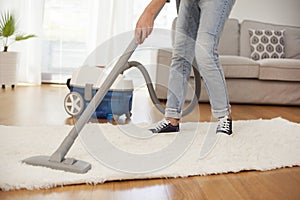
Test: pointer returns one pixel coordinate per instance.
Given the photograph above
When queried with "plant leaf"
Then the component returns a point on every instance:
(7, 25)
(24, 37)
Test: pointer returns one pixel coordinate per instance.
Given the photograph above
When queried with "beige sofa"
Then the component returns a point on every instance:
(266, 81)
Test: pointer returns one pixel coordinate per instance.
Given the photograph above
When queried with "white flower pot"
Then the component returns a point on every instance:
(8, 68)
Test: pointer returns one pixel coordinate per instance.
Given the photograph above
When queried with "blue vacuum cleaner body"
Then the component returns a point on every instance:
(84, 84)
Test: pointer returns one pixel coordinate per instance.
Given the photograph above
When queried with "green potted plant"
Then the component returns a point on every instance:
(9, 60)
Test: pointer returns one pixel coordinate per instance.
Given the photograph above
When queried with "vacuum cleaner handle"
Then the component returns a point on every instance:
(59, 154)
(63, 149)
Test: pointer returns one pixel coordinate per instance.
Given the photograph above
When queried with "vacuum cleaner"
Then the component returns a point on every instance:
(85, 83)
(58, 160)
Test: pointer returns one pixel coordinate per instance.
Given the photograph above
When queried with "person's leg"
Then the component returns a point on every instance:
(183, 55)
(214, 14)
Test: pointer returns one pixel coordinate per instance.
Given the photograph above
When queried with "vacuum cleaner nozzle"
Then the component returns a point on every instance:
(68, 164)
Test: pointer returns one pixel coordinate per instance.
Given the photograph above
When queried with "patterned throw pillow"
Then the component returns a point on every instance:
(266, 44)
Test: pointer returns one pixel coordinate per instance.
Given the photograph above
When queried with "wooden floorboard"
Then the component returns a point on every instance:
(43, 105)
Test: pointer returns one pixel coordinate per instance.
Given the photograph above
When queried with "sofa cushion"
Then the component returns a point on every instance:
(292, 37)
(279, 69)
(239, 67)
(266, 44)
(229, 41)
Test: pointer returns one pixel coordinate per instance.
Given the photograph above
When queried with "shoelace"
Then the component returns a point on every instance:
(224, 124)
(163, 123)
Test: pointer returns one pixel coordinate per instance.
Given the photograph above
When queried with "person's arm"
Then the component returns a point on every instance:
(144, 26)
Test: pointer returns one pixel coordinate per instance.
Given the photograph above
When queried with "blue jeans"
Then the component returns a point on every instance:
(198, 29)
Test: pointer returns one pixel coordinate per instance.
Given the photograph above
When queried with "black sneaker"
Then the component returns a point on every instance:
(224, 125)
(165, 126)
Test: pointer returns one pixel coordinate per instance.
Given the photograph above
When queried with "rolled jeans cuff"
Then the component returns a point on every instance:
(173, 113)
(221, 113)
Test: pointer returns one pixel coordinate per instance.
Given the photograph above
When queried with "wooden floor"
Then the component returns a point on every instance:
(43, 105)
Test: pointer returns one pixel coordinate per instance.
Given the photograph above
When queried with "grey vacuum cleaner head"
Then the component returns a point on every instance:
(68, 164)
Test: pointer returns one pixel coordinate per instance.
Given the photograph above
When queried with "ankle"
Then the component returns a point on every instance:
(173, 121)
(228, 116)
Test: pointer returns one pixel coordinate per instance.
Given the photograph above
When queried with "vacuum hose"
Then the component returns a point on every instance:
(120, 66)
(153, 95)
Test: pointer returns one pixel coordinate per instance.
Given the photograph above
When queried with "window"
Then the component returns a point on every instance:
(66, 29)
(64, 46)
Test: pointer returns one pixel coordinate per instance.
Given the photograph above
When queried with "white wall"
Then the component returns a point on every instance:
(285, 12)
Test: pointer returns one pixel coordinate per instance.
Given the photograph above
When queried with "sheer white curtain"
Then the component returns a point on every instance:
(29, 14)
(106, 19)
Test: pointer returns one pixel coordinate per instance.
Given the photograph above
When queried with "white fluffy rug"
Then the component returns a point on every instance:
(255, 145)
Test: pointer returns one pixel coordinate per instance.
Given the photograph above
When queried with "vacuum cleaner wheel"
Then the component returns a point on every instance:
(74, 104)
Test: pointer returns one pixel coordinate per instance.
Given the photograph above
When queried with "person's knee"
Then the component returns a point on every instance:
(206, 52)
(206, 59)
